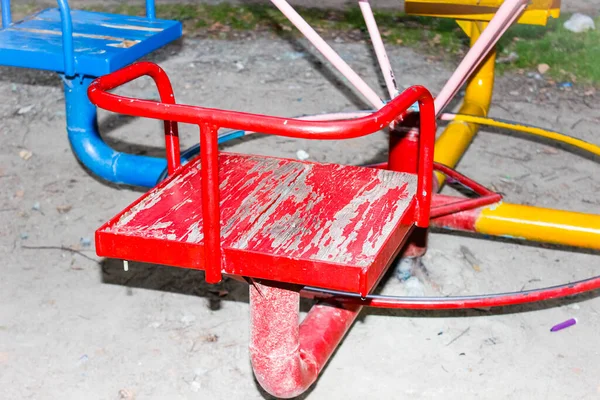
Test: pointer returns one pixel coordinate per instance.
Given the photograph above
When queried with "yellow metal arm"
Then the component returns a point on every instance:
(456, 138)
(537, 13)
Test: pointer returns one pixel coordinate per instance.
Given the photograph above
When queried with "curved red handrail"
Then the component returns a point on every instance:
(210, 120)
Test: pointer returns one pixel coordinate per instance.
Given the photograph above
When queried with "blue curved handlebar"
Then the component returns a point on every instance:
(150, 10)
(67, 37)
(6, 18)
(67, 29)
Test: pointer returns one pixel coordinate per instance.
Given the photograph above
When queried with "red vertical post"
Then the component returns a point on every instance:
(404, 146)
(404, 157)
(172, 145)
(211, 212)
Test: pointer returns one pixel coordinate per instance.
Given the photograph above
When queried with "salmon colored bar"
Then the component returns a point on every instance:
(382, 57)
(330, 54)
(508, 12)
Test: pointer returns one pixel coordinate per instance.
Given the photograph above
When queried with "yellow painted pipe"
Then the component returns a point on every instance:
(456, 138)
(538, 224)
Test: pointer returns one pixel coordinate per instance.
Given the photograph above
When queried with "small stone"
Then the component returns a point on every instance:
(36, 206)
(210, 338)
(188, 319)
(549, 150)
(85, 242)
(302, 155)
(195, 386)
(579, 23)
(64, 209)
(24, 236)
(294, 55)
(83, 359)
(25, 110)
(25, 154)
(239, 66)
(414, 287)
(126, 394)
(405, 268)
(512, 57)
(543, 68)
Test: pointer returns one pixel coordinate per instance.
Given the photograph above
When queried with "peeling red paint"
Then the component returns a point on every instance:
(287, 357)
(305, 217)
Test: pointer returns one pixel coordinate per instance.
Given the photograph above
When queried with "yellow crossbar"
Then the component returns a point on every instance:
(537, 13)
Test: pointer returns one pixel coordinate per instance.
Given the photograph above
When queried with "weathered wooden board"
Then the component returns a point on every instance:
(316, 224)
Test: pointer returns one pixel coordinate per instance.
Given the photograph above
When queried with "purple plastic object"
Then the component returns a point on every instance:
(564, 325)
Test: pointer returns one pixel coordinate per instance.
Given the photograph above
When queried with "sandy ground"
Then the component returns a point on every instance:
(76, 327)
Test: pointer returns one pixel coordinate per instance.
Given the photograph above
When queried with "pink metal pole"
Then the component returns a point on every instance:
(328, 53)
(507, 13)
(287, 357)
(382, 57)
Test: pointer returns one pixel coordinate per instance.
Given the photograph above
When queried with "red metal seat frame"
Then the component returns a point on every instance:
(211, 120)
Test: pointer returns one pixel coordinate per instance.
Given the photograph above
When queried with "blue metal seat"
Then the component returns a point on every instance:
(81, 46)
(102, 43)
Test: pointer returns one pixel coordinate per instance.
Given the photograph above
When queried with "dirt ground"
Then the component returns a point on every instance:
(73, 326)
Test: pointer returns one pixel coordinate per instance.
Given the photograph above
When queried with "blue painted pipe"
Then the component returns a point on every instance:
(6, 17)
(90, 149)
(150, 9)
(97, 156)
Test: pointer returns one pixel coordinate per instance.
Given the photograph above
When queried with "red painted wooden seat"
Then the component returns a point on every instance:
(322, 225)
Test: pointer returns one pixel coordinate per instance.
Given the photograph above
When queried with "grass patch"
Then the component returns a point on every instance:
(571, 56)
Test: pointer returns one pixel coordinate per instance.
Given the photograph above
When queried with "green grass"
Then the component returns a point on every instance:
(396, 28)
(571, 56)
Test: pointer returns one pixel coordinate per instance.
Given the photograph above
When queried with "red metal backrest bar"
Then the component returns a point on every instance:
(167, 97)
(427, 128)
(210, 120)
(209, 159)
(341, 129)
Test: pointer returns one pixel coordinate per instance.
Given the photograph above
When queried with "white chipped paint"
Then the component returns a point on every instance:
(152, 198)
(194, 234)
(160, 225)
(333, 245)
(75, 34)
(133, 27)
(260, 211)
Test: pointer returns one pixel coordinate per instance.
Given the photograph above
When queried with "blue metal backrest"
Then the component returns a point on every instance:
(67, 28)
